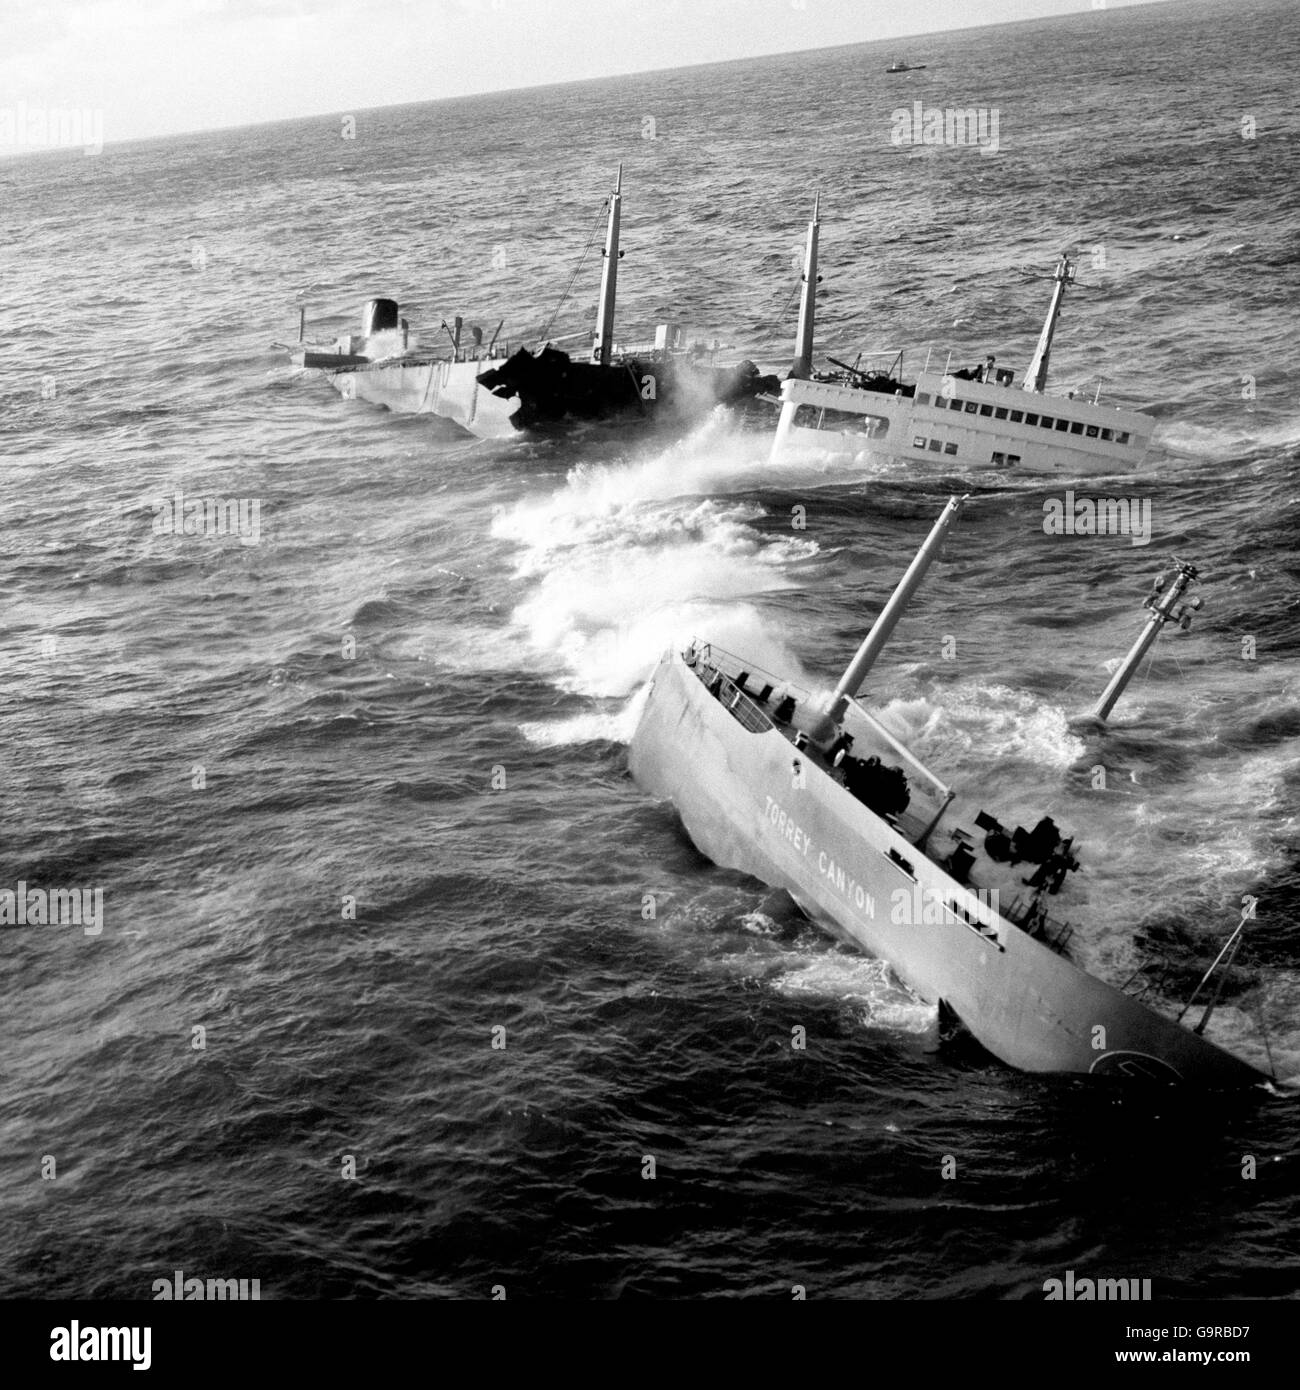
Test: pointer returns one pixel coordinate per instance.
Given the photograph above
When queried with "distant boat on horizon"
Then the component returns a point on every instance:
(898, 66)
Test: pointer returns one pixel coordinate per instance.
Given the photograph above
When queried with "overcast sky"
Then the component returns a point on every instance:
(159, 67)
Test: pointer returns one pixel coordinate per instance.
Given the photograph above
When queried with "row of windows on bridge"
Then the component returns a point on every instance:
(1028, 417)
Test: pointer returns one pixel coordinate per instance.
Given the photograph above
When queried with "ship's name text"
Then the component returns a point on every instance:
(848, 887)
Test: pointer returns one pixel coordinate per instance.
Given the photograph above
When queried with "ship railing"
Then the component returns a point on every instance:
(1034, 920)
(731, 665)
(742, 707)
(894, 356)
(428, 356)
(494, 354)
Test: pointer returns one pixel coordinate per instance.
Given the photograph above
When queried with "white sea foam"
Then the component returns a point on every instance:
(627, 559)
(862, 982)
(989, 722)
(614, 726)
(600, 499)
(1246, 434)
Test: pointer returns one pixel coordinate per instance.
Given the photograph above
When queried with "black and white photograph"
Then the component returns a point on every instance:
(651, 652)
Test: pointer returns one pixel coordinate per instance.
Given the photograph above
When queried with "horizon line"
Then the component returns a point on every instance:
(1084, 9)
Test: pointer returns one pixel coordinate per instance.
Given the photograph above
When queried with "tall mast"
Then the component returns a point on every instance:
(1162, 610)
(875, 640)
(1036, 376)
(604, 345)
(801, 369)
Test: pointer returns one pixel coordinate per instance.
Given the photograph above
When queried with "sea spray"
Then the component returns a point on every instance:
(626, 559)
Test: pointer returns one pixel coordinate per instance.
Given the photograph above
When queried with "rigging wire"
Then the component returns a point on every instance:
(1151, 658)
(568, 289)
(785, 308)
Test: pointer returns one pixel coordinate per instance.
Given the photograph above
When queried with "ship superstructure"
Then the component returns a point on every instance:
(969, 418)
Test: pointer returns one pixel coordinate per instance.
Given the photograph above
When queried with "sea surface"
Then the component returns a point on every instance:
(356, 795)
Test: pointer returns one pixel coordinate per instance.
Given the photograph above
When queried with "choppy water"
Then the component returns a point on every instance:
(507, 602)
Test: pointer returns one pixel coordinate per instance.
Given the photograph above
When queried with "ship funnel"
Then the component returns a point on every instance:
(801, 368)
(378, 316)
(875, 640)
(1164, 605)
(604, 344)
(1036, 376)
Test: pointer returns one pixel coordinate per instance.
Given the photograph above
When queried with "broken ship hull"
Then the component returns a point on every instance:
(734, 786)
(540, 391)
(441, 387)
(551, 387)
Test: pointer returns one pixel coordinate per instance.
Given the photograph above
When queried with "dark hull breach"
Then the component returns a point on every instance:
(551, 387)
(818, 798)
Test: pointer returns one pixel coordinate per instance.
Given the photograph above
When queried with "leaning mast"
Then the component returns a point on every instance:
(603, 348)
(1036, 376)
(874, 642)
(1163, 609)
(801, 368)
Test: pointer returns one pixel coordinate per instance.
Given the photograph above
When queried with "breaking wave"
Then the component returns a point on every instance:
(625, 559)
